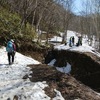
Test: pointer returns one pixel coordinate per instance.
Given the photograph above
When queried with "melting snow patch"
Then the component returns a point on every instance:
(58, 95)
(66, 69)
(52, 62)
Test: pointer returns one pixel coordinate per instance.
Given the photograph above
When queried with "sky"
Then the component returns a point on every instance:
(78, 6)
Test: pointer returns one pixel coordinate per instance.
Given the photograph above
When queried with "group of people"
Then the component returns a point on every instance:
(11, 50)
(72, 41)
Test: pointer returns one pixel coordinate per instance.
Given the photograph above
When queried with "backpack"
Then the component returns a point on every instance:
(14, 47)
(9, 47)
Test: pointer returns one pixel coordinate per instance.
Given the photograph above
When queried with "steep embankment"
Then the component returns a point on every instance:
(85, 66)
(69, 87)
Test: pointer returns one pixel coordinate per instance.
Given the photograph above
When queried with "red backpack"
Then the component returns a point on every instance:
(14, 47)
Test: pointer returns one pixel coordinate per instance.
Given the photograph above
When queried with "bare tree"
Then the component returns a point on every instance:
(67, 15)
(90, 21)
(44, 4)
(24, 8)
(85, 21)
(96, 19)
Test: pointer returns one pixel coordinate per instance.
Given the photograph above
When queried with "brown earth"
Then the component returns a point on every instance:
(83, 66)
(36, 55)
(69, 87)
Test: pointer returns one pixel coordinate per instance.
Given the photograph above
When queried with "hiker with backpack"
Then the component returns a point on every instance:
(11, 49)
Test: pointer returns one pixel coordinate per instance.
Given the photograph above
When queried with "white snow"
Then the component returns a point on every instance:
(11, 82)
(66, 69)
(56, 39)
(84, 48)
(52, 62)
(69, 34)
(58, 95)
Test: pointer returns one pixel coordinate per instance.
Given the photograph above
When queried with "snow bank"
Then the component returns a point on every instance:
(64, 69)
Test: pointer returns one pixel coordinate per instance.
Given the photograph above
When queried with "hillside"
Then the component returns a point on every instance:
(70, 88)
(46, 83)
(11, 28)
(48, 66)
(9, 25)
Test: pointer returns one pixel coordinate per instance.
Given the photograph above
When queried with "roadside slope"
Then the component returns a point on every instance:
(70, 88)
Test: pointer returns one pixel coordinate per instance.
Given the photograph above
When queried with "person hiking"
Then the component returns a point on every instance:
(79, 41)
(73, 40)
(11, 49)
(70, 42)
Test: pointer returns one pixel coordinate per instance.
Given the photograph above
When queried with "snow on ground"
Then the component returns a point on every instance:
(56, 39)
(84, 48)
(11, 82)
(64, 69)
(52, 62)
(69, 34)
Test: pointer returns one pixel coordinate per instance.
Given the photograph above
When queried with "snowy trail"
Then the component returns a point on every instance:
(11, 82)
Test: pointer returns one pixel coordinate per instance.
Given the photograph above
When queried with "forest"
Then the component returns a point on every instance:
(28, 17)
(54, 52)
